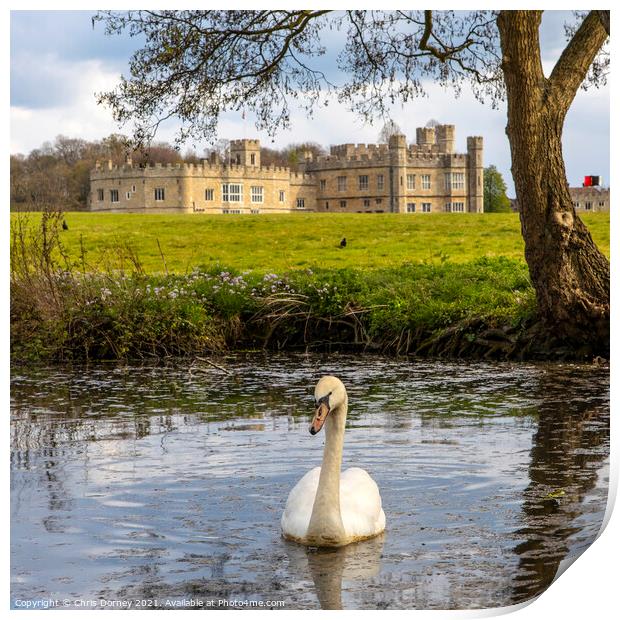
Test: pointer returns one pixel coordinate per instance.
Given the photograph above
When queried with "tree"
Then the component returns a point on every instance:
(220, 151)
(389, 129)
(495, 199)
(197, 64)
(58, 175)
(294, 153)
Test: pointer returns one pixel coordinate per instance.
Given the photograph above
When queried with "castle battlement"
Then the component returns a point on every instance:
(401, 177)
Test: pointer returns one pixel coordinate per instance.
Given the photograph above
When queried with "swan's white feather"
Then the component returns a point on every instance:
(296, 517)
(360, 505)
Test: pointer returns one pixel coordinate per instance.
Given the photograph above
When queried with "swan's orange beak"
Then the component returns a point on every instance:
(320, 415)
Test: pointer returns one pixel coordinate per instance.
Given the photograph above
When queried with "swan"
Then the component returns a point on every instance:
(325, 508)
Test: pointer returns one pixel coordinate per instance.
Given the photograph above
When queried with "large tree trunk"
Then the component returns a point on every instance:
(569, 273)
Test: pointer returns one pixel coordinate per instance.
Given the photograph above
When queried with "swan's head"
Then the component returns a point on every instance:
(329, 394)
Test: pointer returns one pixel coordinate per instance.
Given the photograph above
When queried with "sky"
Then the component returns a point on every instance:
(59, 61)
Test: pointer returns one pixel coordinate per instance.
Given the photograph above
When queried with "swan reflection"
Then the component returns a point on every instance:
(329, 567)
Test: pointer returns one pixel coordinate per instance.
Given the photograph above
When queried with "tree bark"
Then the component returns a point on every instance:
(569, 273)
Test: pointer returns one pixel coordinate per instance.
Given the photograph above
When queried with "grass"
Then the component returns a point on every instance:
(177, 243)
(448, 285)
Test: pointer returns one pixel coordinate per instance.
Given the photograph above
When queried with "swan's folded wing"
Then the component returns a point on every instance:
(298, 510)
(360, 504)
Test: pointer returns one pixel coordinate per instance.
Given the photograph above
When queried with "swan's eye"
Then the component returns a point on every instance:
(323, 399)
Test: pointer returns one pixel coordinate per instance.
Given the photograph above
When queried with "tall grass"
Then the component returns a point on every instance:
(62, 309)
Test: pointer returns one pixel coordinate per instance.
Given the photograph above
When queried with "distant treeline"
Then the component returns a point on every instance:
(56, 175)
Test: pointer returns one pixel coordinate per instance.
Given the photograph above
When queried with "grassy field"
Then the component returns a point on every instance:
(282, 242)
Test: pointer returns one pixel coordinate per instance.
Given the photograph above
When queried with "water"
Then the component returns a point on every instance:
(164, 485)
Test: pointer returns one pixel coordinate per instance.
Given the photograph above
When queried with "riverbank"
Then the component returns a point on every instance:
(67, 304)
(480, 309)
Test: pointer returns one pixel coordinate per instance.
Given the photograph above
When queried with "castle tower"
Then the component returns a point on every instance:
(475, 172)
(245, 152)
(425, 135)
(445, 138)
(398, 169)
(186, 199)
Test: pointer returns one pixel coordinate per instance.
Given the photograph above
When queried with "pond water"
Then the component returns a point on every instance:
(164, 485)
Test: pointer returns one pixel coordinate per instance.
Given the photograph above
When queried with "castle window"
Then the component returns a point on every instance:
(282, 195)
(411, 207)
(576, 205)
(301, 203)
(238, 159)
(458, 180)
(232, 192)
(159, 194)
(601, 204)
(366, 202)
(254, 211)
(229, 211)
(209, 194)
(411, 181)
(253, 160)
(326, 205)
(133, 188)
(342, 184)
(379, 181)
(323, 184)
(458, 207)
(379, 201)
(588, 206)
(426, 181)
(257, 193)
(100, 195)
(343, 204)
(448, 207)
(128, 195)
(363, 181)
(426, 207)
(113, 195)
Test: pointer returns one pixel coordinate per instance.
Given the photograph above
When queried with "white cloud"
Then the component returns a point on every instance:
(78, 116)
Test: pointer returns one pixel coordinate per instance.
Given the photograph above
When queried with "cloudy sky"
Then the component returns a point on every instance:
(59, 61)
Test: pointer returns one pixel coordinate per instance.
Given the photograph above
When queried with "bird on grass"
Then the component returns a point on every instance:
(343, 243)
(64, 225)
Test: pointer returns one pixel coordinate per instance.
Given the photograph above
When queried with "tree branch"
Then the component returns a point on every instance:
(572, 67)
(447, 52)
(604, 17)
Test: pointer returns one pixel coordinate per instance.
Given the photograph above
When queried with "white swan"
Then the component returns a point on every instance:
(325, 508)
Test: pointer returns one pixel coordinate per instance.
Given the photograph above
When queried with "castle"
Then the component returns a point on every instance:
(397, 177)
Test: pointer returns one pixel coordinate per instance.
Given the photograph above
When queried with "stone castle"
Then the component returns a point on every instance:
(425, 177)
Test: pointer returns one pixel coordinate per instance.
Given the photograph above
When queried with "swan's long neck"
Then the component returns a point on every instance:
(326, 522)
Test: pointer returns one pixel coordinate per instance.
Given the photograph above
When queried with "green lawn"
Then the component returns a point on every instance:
(282, 242)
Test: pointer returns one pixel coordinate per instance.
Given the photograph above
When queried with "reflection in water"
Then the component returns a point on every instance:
(158, 483)
(329, 567)
(569, 446)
